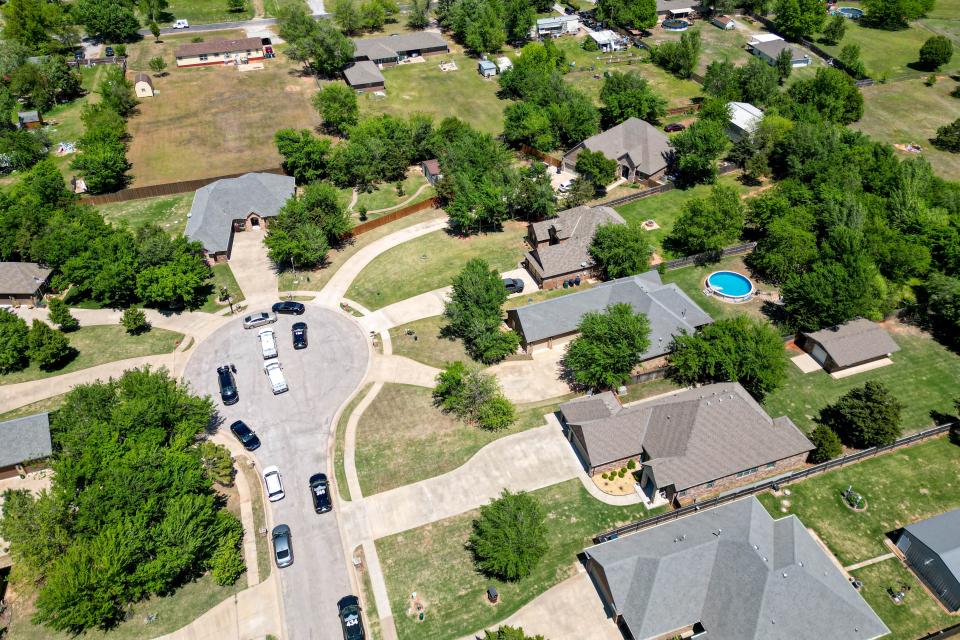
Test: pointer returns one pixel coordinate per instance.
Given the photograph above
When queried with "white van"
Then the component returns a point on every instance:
(275, 374)
(181, 24)
(268, 343)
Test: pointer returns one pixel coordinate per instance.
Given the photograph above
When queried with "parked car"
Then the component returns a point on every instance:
(275, 374)
(228, 385)
(255, 320)
(79, 54)
(289, 306)
(565, 186)
(181, 24)
(350, 620)
(320, 491)
(513, 285)
(282, 546)
(674, 127)
(299, 330)
(274, 483)
(268, 343)
(108, 52)
(247, 437)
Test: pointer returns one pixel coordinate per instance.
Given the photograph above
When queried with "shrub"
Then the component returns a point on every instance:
(226, 565)
(827, 444)
(936, 52)
(13, 342)
(621, 473)
(46, 346)
(60, 315)
(217, 463)
(631, 465)
(867, 416)
(605, 476)
(509, 538)
(948, 137)
(474, 396)
(134, 320)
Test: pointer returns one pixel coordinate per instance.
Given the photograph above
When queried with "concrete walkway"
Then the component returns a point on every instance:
(252, 268)
(191, 323)
(867, 563)
(252, 613)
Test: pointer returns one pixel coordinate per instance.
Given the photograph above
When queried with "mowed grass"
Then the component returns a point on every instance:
(909, 112)
(169, 212)
(403, 438)
(213, 121)
(206, 11)
(692, 280)
(40, 406)
(384, 198)
(434, 562)
(222, 277)
(924, 376)
(717, 44)
(431, 261)
(421, 340)
(900, 487)
(341, 474)
(64, 119)
(100, 344)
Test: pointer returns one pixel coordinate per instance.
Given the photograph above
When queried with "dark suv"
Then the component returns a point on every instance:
(289, 306)
(513, 285)
(245, 435)
(299, 330)
(228, 386)
(320, 491)
(350, 619)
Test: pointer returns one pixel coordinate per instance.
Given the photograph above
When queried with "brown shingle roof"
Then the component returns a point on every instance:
(646, 147)
(855, 341)
(575, 228)
(22, 278)
(142, 77)
(218, 46)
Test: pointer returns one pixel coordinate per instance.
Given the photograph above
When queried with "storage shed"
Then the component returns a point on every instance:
(29, 119)
(24, 443)
(143, 86)
(487, 68)
(932, 549)
(851, 344)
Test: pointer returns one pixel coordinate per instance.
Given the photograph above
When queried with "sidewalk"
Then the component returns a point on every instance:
(252, 613)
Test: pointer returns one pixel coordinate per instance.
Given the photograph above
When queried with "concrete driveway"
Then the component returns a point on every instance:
(295, 429)
(533, 380)
(252, 268)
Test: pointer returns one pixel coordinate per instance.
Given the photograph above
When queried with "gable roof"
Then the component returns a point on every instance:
(738, 572)
(942, 535)
(23, 278)
(575, 229)
(25, 439)
(772, 48)
(363, 72)
(854, 341)
(28, 116)
(646, 147)
(691, 437)
(668, 309)
(744, 116)
(556, 21)
(217, 46)
(722, 20)
(142, 77)
(395, 45)
(218, 204)
(663, 6)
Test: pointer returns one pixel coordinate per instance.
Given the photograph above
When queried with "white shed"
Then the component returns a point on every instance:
(503, 63)
(143, 86)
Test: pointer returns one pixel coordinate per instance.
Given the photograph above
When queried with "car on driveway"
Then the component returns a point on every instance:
(247, 437)
(565, 186)
(513, 285)
(282, 546)
(275, 375)
(274, 483)
(674, 127)
(350, 620)
(108, 52)
(290, 307)
(320, 491)
(268, 343)
(299, 330)
(255, 320)
(228, 386)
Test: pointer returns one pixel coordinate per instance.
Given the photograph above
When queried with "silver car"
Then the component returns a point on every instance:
(282, 548)
(258, 319)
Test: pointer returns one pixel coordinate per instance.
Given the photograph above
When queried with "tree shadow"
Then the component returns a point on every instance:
(68, 357)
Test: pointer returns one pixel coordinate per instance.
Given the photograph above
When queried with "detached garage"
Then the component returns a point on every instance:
(852, 344)
(932, 549)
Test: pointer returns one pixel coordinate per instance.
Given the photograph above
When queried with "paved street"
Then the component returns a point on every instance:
(295, 429)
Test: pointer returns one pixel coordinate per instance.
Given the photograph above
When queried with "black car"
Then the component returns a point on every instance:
(289, 306)
(674, 127)
(320, 490)
(245, 435)
(228, 386)
(513, 285)
(299, 335)
(109, 52)
(350, 619)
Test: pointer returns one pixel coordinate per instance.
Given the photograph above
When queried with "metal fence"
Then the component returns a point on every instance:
(646, 523)
(947, 632)
(168, 189)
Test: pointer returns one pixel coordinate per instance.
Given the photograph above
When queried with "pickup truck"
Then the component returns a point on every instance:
(268, 343)
(275, 374)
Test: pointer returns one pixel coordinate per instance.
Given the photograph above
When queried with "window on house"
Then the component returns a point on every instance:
(710, 485)
(683, 493)
(203, 57)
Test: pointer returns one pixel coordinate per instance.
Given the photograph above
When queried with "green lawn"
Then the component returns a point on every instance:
(100, 344)
(273, 7)
(431, 261)
(425, 344)
(924, 376)
(64, 119)
(369, 602)
(717, 44)
(385, 195)
(403, 438)
(264, 562)
(341, 475)
(433, 562)
(900, 487)
(206, 11)
(40, 406)
(170, 212)
(222, 277)
(692, 280)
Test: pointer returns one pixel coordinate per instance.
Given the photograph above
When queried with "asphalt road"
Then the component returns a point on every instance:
(295, 430)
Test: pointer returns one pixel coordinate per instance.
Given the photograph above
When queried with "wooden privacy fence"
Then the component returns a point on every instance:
(550, 160)
(403, 212)
(168, 189)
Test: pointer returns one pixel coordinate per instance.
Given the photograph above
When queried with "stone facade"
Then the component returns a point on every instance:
(723, 484)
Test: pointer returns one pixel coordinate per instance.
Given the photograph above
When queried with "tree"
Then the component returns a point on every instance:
(307, 226)
(107, 20)
(13, 342)
(305, 156)
(509, 633)
(509, 538)
(155, 30)
(236, 6)
(697, 150)
(473, 396)
(153, 10)
(217, 462)
(580, 192)
(620, 250)
(628, 14)
(46, 346)
(832, 93)
(739, 349)
(611, 343)
(628, 95)
(226, 564)
(708, 224)
(474, 312)
(850, 59)
(117, 92)
(835, 30)
(867, 416)
(419, 13)
(134, 320)
(948, 137)
(784, 64)
(157, 65)
(797, 19)
(337, 104)
(346, 16)
(315, 42)
(721, 80)
(942, 294)
(596, 169)
(678, 57)
(478, 24)
(533, 198)
(60, 315)
(32, 23)
(831, 293)
(785, 250)
(894, 14)
(827, 443)
(519, 16)
(22, 149)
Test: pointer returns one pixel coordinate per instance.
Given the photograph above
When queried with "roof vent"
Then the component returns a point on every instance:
(764, 558)
(784, 574)
(800, 563)
(756, 547)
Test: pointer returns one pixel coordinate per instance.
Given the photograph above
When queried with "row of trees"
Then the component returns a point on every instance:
(39, 343)
(370, 15)
(483, 26)
(307, 226)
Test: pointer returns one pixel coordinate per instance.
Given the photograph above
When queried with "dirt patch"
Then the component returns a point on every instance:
(895, 326)
(292, 88)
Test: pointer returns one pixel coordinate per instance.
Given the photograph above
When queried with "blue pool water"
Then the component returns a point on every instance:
(675, 24)
(851, 12)
(730, 284)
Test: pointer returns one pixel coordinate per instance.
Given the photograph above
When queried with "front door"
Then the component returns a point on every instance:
(255, 223)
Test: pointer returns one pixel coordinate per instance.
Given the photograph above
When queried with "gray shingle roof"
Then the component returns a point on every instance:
(942, 534)
(25, 439)
(646, 147)
(669, 310)
(773, 48)
(575, 228)
(854, 341)
(741, 574)
(218, 204)
(393, 46)
(667, 5)
(691, 437)
(22, 278)
(363, 72)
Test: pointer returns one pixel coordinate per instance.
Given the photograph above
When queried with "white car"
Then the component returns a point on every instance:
(273, 483)
(181, 24)
(565, 186)
(275, 374)
(268, 343)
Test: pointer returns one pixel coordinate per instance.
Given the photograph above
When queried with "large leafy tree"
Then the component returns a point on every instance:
(474, 312)
(832, 93)
(509, 537)
(107, 20)
(46, 346)
(867, 416)
(936, 52)
(611, 343)
(533, 198)
(33, 23)
(621, 250)
(305, 156)
(315, 42)
(628, 95)
(59, 314)
(628, 14)
(796, 19)
(307, 226)
(894, 14)
(679, 57)
(948, 137)
(474, 396)
(13, 342)
(697, 150)
(943, 304)
(785, 250)
(377, 149)
(708, 224)
(337, 104)
(835, 30)
(596, 169)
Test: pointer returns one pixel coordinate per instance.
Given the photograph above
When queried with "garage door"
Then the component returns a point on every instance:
(819, 354)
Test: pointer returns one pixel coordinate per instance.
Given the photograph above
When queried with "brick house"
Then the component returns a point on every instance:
(689, 444)
(201, 54)
(22, 282)
(640, 150)
(851, 344)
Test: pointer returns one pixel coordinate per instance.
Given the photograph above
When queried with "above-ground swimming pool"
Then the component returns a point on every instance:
(675, 24)
(850, 12)
(730, 285)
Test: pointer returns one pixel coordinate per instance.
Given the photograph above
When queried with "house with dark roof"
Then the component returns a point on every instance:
(640, 150)
(210, 52)
(364, 76)
(22, 282)
(668, 309)
(689, 444)
(24, 442)
(729, 573)
(29, 120)
(234, 204)
(394, 49)
(769, 50)
(931, 548)
(560, 246)
(852, 344)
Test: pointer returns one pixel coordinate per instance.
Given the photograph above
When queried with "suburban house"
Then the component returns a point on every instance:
(768, 48)
(852, 344)
(560, 246)
(486, 68)
(23, 443)
(729, 573)
(143, 86)
(689, 444)
(198, 54)
(724, 22)
(22, 282)
(431, 170)
(675, 8)
(556, 26)
(29, 120)
(744, 120)
(553, 322)
(640, 149)
(932, 549)
(390, 50)
(235, 204)
(364, 76)
(608, 40)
